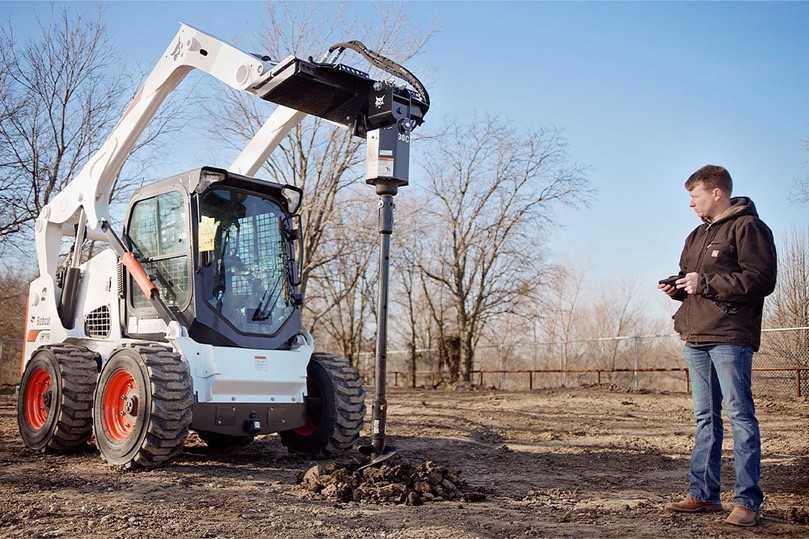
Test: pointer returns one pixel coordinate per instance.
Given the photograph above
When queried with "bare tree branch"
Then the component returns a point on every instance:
(60, 94)
(496, 192)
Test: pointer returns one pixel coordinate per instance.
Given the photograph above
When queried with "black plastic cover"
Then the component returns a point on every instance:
(339, 93)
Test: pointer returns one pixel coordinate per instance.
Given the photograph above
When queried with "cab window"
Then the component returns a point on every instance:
(158, 235)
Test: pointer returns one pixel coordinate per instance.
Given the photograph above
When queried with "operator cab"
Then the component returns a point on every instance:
(221, 249)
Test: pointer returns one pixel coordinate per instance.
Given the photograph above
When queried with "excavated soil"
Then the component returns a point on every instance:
(392, 481)
(569, 463)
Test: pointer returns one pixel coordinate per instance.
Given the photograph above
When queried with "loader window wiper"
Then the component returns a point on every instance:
(264, 310)
(219, 286)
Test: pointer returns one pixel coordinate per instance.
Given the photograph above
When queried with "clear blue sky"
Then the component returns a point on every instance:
(646, 93)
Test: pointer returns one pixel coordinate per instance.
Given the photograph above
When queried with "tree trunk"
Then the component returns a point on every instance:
(467, 356)
(453, 357)
(413, 363)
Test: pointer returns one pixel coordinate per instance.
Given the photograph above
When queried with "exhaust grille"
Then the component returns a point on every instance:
(121, 281)
(97, 322)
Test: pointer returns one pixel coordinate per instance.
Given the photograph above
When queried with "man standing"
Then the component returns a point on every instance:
(727, 267)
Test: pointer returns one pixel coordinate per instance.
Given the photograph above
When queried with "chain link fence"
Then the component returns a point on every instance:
(651, 362)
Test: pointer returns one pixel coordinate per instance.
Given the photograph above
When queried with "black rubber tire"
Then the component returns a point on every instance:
(338, 418)
(164, 387)
(224, 442)
(69, 424)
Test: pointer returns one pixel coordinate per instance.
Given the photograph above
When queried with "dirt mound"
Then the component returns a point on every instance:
(392, 482)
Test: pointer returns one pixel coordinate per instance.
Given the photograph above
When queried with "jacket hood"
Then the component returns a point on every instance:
(738, 206)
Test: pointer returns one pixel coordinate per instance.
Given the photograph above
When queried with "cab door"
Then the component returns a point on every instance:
(158, 233)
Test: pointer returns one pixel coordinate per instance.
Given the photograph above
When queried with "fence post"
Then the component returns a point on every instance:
(635, 381)
(687, 382)
(395, 378)
(531, 381)
(798, 378)
(599, 376)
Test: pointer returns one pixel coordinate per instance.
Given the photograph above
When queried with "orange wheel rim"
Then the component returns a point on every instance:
(38, 398)
(120, 406)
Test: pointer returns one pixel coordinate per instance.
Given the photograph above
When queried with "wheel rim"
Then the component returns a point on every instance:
(121, 406)
(38, 398)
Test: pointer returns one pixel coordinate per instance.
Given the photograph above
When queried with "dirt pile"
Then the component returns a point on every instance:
(394, 482)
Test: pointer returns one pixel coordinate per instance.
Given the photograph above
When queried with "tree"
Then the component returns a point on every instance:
(414, 321)
(788, 305)
(59, 96)
(318, 157)
(495, 192)
(561, 313)
(342, 298)
(13, 295)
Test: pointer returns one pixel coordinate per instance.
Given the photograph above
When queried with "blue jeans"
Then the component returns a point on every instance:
(716, 371)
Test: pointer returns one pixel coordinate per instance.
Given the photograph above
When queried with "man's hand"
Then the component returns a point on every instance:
(668, 289)
(689, 283)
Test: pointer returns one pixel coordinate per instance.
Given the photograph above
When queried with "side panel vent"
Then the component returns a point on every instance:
(97, 322)
(121, 277)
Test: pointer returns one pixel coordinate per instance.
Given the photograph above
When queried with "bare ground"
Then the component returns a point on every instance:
(572, 463)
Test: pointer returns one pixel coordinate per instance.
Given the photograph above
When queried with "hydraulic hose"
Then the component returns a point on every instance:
(385, 64)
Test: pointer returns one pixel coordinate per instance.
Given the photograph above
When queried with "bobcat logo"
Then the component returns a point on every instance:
(379, 102)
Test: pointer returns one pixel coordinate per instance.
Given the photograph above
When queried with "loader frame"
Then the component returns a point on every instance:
(241, 383)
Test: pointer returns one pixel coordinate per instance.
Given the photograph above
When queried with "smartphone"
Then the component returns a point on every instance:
(669, 280)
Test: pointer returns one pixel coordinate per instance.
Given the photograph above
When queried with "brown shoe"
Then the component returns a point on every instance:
(693, 505)
(742, 516)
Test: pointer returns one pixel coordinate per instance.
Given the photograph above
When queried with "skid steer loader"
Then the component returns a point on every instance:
(191, 318)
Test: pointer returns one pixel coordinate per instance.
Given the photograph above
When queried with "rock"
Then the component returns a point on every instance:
(341, 492)
(473, 496)
(311, 480)
(339, 477)
(394, 492)
(329, 491)
(435, 477)
(448, 486)
(328, 468)
(373, 474)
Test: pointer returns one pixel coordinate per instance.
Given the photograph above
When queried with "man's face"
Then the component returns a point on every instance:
(705, 201)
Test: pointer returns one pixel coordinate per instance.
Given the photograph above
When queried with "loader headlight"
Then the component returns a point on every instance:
(293, 195)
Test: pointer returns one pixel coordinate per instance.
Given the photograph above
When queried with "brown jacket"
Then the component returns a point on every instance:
(736, 261)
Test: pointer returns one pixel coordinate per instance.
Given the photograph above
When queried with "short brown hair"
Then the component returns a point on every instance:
(711, 177)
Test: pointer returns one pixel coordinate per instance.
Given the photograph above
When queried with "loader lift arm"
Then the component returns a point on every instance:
(326, 89)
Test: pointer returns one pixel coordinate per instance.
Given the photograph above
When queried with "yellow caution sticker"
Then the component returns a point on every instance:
(207, 233)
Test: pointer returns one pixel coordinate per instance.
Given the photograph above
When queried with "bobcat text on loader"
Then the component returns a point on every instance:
(191, 318)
